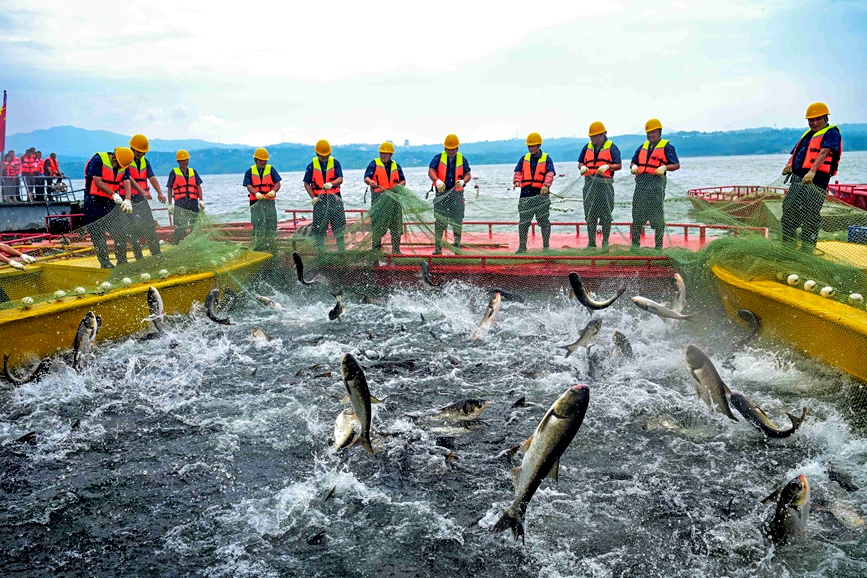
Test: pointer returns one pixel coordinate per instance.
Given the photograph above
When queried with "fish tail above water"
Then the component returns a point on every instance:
(584, 298)
(211, 303)
(512, 519)
(298, 264)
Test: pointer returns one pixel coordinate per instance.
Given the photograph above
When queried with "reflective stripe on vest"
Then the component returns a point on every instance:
(184, 187)
(442, 169)
(829, 166)
(53, 167)
(138, 171)
(592, 160)
(649, 163)
(535, 180)
(320, 178)
(110, 178)
(383, 178)
(13, 167)
(262, 184)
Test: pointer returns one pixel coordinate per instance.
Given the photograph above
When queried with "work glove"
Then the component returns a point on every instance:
(27, 258)
(259, 196)
(808, 178)
(787, 170)
(459, 184)
(441, 186)
(659, 171)
(201, 205)
(171, 208)
(117, 199)
(634, 170)
(327, 186)
(314, 200)
(544, 191)
(584, 171)
(16, 264)
(602, 169)
(271, 195)
(126, 206)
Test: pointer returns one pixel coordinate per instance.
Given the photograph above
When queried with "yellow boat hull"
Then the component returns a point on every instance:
(49, 327)
(822, 328)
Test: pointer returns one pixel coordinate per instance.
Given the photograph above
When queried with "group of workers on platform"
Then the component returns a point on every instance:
(41, 177)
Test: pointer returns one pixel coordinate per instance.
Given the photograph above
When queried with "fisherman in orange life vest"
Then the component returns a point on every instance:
(598, 161)
(385, 212)
(11, 173)
(104, 177)
(262, 182)
(137, 192)
(322, 181)
(449, 171)
(814, 161)
(28, 172)
(38, 178)
(185, 193)
(650, 163)
(534, 175)
(51, 170)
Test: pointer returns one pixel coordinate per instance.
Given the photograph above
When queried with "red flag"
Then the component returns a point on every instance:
(3, 125)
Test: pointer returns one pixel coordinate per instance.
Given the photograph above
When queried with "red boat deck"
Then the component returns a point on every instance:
(855, 195)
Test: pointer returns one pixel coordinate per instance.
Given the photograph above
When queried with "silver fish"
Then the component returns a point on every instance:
(269, 302)
(585, 337)
(708, 384)
(339, 309)
(488, 318)
(358, 394)
(584, 298)
(211, 303)
(259, 334)
(792, 511)
(156, 309)
(760, 420)
(680, 300)
(85, 338)
(299, 268)
(542, 452)
(425, 275)
(754, 324)
(658, 309)
(344, 429)
(622, 345)
(464, 410)
(36, 375)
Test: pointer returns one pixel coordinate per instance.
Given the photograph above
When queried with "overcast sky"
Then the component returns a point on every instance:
(269, 71)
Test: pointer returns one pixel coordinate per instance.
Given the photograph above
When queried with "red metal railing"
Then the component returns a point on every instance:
(735, 192)
(851, 194)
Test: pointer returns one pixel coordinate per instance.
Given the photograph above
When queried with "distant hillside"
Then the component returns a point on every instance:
(295, 157)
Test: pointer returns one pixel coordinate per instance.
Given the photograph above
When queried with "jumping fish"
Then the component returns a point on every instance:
(489, 317)
(581, 294)
(507, 295)
(36, 375)
(542, 452)
(338, 309)
(299, 268)
(425, 275)
(156, 309)
(259, 334)
(358, 394)
(85, 338)
(792, 511)
(658, 309)
(760, 420)
(344, 429)
(464, 410)
(211, 302)
(622, 345)
(267, 301)
(585, 337)
(708, 384)
(754, 323)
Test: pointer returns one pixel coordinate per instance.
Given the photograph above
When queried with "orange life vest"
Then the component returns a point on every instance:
(13, 167)
(53, 167)
(535, 180)
(321, 177)
(442, 169)
(263, 183)
(37, 165)
(184, 187)
(649, 163)
(593, 160)
(138, 172)
(830, 165)
(383, 178)
(111, 178)
(28, 164)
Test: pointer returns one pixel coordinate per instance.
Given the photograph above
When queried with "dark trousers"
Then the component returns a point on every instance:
(39, 188)
(802, 208)
(142, 224)
(386, 214)
(538, 206)
(102, 215)
(328, 210)
(647, 206)
(29, 180)
(185, 214)
(449, 209)
(263, 215)
(10, 189)
(598, 204)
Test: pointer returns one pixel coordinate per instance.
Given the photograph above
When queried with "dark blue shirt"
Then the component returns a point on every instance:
(172, 175)
(616, 159)
(832, 140)
(450, 169)
(248, 176)
(308, 173)
(670, 153)
(371, 168)
(549, 168)
(94, 168)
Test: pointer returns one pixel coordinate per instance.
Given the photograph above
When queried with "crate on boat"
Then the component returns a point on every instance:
(858, 234)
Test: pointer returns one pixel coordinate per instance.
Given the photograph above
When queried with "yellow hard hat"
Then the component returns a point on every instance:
(817, 109)
(386, 147)
(323, 148)
(261, 154)
(597, 128)
(652, 124)
(452, 142)
(534, 139)
(182, 155)
(124, 156)
(139, 142)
